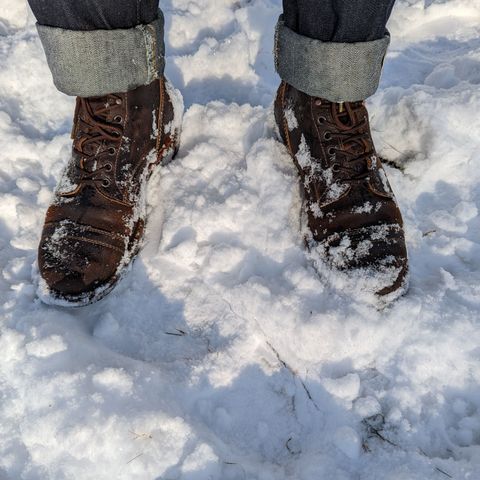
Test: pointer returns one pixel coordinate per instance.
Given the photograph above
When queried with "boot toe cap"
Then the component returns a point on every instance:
(372, 259)
(74, 267)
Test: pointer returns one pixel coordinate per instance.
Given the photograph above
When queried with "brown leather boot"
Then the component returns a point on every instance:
(354, 224)
(95, 224)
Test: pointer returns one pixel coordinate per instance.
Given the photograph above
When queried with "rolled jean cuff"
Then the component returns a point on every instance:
(339, 72)
(98, 62)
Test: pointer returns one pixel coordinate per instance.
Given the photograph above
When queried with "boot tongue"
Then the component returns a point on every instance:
(98, 113)
(342, 115)
(346, 114)
(103, 108)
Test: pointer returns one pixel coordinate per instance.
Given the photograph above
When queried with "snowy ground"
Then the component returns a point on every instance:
(222, 356)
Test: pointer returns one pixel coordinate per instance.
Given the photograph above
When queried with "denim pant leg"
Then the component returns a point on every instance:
(97, 47)
(333, 49)
(94, 14)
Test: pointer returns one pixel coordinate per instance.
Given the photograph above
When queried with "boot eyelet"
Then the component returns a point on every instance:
(118, 101)
(117, 119)
(318, 102)
(321, 120)
(105, 182)
(336, 167)
(327, 136)
(111, 151)
(331, 150)
(108, 167)
(116, 134)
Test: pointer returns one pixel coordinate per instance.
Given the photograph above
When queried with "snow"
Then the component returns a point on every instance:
(347, 440)
(114, 379)
(46, 347)
(346, 387)
(222, 355)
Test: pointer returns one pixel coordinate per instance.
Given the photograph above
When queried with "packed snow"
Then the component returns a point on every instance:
(223, 355)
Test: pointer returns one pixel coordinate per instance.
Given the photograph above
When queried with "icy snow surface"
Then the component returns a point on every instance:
(222, 355)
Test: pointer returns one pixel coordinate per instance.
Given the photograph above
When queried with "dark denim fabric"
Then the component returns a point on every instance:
(94, 14)
(343, 21)
(326, 20)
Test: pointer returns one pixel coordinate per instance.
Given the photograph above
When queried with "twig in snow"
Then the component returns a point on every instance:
(180, 333)
(436, 468)
(134, 458)
(381, 437)
(365, 447)
(294, 373)
(293, 451)
(445, 473)
(392, 164)
(282, 362)
(374, 425)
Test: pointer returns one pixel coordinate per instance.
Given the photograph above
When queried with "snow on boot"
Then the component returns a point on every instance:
(95, 224)
(355, 229)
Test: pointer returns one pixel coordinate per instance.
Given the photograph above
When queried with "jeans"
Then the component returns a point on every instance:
(340, 21)
(332, 49)
(94, 14)
(95, 47)
(326, 20)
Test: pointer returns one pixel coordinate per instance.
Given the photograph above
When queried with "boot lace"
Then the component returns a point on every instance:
(347, 140)
(97, 138)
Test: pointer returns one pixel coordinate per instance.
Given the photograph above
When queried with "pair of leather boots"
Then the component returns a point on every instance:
(95, 225)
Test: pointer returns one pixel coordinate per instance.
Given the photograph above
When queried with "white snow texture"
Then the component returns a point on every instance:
(222, 355)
